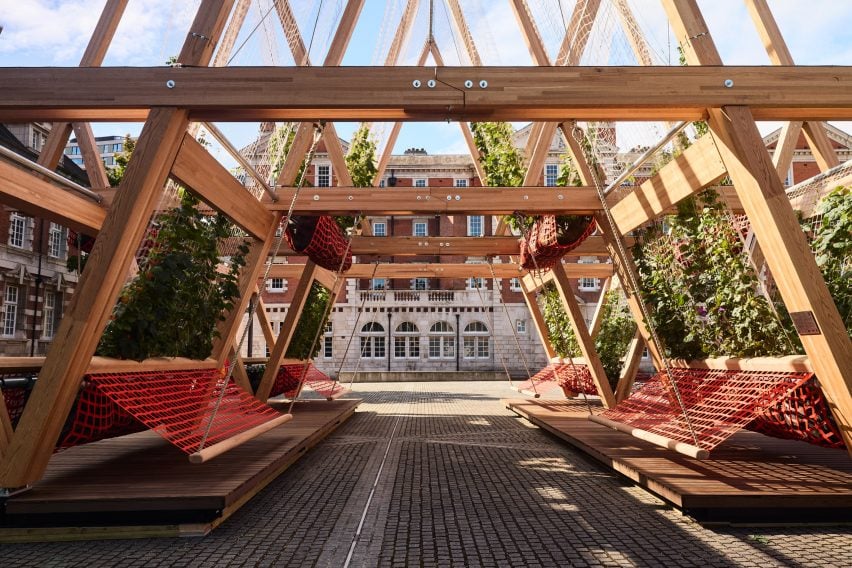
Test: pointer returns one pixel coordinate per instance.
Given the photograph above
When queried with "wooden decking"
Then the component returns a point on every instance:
(139, 485)
(749, 478)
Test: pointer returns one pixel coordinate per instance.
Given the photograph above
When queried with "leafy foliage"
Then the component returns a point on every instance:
(832, 247)
(172, 306)
(116, 173)
(361, 158)
(312, 318)
(702, 289)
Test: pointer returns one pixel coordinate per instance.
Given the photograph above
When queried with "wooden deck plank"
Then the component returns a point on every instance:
(749, 471)
(142, 472)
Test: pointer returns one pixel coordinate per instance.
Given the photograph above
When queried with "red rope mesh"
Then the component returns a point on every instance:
(541, 249)
(96, 417)
(572, 378)
(179, 405)
(16, 399)
(542, 382)
(802, 415)
(287, 382)
(718, 402)
(327, 245)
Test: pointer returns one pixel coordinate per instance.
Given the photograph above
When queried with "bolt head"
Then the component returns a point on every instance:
(416, 83)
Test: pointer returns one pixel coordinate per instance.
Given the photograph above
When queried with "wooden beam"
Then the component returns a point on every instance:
(32, 195)
(630, 367)
(787, 364)
(288, 327)
(538, 319)
(463, 31)
(207, 178)
(534, 281)
(385, 93)
(91, 155)
(263, 320)
(581, 332)
(696, 168)
(229, 38)
(597, 318)
(446, 200)
(786, 145)
(447, 270)
(787, 252)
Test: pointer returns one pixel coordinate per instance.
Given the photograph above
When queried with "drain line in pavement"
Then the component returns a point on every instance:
(370, 498)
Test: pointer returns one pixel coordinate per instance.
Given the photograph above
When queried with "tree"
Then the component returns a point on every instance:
(116, 173)
(361, 158)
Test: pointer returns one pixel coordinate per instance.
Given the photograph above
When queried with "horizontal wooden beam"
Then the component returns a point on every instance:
(442, 270)
(438, 200)
(110, 365)
(198, 170)
(389, 93)
(790, 363)
(696, 168)
(534, 281)
(32, 195)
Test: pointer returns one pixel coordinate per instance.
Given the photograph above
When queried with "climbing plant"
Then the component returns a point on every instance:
(172, 306)
(311, 319)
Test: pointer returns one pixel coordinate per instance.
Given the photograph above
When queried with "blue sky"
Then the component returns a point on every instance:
(55, 32)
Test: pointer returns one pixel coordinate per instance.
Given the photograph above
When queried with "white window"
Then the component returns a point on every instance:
(474, 283)
(515, 284)
(521, 326)
(406, 341)
(10, 310)
(277, 285)
(379, 284)
(476, 341)
(372, 341)
(420, 183)
(380, 229)
(17, 230)
(118, 147)
(36, 141)
(442, 341)
(328, 341)
(52, 313)
(587, 284)
(57, 241)
(475, 225)
(420, 229)
(419, 283)
(461, 183)
(551, 174)
(323, 176)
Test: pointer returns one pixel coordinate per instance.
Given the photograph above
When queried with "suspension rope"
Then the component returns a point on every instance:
(282, 224)
(493, 328)
(579, 136)
(352, 333)
(511, 326)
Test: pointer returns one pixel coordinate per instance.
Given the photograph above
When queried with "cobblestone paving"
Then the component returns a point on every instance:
(452, 479)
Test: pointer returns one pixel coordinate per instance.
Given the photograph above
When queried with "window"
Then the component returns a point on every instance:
(420, 284)
(52, 313)
(10, 310)
(109, 161)
(382, 183)
(380, 229)
(461, 183)
(372, 341)
(17, 230)
(476, 341)
(588, 283)
(118, 147)
(475, 225)
(515, 284)
(75, 151)
(420, 229)
(57, 242)
(328, 341)
(521, 326)
(406, 341)
(442, 341)
(277, 285)
(36, 140)
(475, 283)
(379, 284)
(420, 183)
(551, 174)
(324, 176)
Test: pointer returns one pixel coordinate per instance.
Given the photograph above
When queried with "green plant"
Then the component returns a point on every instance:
(312, 319)
(832, 248)
(116, 173)
(172, 306)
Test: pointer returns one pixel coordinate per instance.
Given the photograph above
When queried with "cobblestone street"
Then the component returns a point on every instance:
(440, 474)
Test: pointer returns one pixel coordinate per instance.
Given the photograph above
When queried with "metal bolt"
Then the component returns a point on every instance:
(560, 196)
(449, 198)
(483, 84)
(458, 197)
(416, 83)
(468, 84)
(351, 198)
(316, 197)
(170, 84)
(526, 197)
(431, 83)
(729, 83)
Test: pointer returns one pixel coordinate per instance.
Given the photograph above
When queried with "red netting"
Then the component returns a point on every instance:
(179, 405)
(717, 402)
(801, 415)
(541, 249)
(540, 383)
(287, 382)
(576, 378)
(96, 417)
(16, 398)
(323, 242)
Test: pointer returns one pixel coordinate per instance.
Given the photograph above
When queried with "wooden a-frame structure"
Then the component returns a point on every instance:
(170, 100)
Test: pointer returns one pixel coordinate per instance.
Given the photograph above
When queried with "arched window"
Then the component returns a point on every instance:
(442, 341)
(372, 341)
(476, 341)
(406, 341)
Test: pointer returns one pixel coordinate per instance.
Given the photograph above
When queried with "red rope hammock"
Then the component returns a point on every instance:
(326, 244)
(16, 398)
(183, 407)
(572, 378)
(717, 402)
(96, 417)
(541, 248)
(287, 382)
